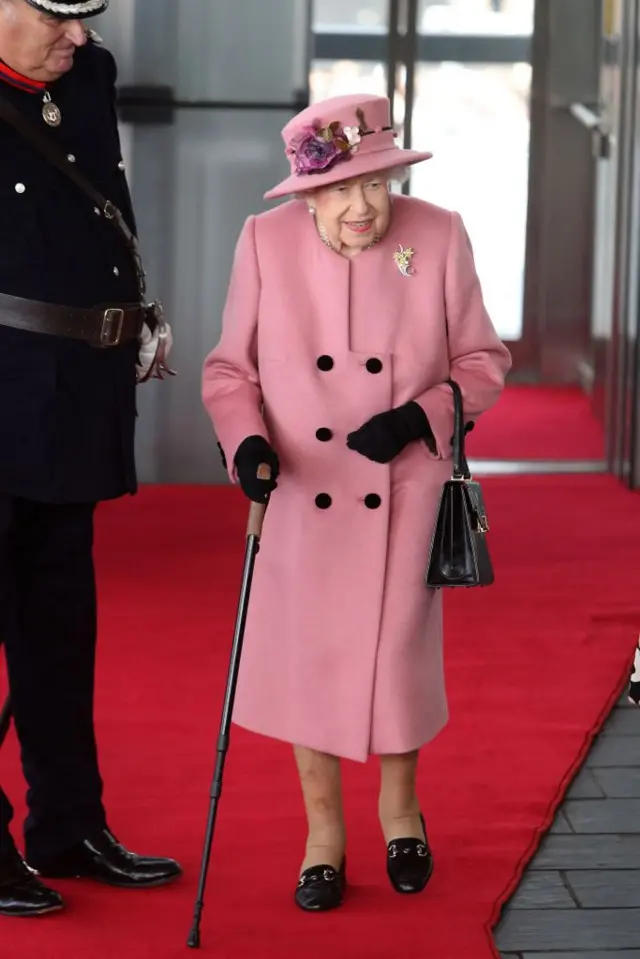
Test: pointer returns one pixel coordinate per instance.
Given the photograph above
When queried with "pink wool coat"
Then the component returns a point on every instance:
(343, 646)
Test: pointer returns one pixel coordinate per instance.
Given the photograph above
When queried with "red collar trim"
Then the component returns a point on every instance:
(17, 80)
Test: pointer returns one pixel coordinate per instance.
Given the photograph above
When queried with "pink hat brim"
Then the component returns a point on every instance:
(357, 165)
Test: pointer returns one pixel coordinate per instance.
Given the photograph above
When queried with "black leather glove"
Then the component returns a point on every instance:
(385, 435)
(253, 451)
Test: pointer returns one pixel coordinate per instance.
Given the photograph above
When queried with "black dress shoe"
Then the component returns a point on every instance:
(103, 858)
(409, 863)
(321, 888)
(21, 892)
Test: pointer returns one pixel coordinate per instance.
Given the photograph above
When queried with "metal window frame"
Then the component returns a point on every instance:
(155, 104)
(374, 47)
(623, 373)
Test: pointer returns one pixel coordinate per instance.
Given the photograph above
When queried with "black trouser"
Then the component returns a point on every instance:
(48, 624)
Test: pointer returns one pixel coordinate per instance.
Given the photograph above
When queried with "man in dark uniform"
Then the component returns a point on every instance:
(67, 411)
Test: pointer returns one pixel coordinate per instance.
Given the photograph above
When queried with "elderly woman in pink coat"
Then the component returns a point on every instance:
(349, 307)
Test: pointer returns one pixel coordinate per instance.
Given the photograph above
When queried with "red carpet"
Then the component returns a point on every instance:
(534, 664)
(539, 423)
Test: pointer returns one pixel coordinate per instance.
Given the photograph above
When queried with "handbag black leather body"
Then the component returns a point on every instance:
(459, 555)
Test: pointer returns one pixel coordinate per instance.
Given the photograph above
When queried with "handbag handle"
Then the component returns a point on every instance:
(460, 464)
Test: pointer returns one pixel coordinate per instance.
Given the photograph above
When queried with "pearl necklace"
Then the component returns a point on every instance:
(327, 242)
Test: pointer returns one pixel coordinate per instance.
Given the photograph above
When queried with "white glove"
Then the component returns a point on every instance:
(149, 347)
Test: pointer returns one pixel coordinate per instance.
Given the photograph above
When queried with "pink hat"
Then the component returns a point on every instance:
(338, 139)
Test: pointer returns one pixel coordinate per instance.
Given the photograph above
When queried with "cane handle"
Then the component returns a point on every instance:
(257, 510)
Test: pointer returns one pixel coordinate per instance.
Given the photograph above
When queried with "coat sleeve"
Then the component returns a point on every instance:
(231, 384)
(478, 360)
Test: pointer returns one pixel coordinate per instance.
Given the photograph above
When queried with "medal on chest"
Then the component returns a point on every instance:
(50, 111)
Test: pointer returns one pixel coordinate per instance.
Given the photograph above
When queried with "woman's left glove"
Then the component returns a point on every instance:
(385, 435)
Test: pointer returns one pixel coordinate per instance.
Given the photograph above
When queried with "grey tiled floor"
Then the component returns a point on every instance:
(580, 897)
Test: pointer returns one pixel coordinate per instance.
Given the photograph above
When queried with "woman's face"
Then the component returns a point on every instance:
(353, 212)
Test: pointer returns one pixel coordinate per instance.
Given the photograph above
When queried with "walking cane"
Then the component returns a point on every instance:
(254, 531)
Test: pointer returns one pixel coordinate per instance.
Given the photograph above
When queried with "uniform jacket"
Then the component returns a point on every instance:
(343, 650)
(67, 410)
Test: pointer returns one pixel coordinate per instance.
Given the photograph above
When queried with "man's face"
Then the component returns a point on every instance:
(35, 44)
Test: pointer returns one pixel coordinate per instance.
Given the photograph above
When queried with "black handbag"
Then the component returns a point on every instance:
(459, 555)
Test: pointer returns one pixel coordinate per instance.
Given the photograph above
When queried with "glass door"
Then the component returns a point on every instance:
(616, 289)
(471, 108)
(350, 47)
(459, 75)
(603, 120)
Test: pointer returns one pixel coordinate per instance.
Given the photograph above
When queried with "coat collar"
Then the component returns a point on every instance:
(15, 79)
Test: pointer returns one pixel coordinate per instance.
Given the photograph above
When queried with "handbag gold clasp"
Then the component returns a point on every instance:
(483, 523)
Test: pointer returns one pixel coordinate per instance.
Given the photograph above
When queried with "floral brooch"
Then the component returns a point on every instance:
(403, 257)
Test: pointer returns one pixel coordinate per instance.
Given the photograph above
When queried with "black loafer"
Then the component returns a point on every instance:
(21, 892)
(321, 888)
(103, 858)
(409, 863)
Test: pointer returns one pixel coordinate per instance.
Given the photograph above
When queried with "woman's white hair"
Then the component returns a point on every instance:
(397, 174)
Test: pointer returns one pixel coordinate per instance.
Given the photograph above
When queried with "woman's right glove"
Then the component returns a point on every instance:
(385, 435)
(252, 452)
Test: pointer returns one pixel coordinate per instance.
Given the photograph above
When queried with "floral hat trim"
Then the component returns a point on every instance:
(317, 148)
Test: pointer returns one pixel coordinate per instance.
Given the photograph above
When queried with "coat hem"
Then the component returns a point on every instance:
(361, 757)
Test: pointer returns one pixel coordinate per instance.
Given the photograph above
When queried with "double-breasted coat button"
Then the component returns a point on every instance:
(323, 501)
(372, 501)
(325, 363)
(324, 434)
(374, 365)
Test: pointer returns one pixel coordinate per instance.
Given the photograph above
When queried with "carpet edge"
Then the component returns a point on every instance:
(555, 803)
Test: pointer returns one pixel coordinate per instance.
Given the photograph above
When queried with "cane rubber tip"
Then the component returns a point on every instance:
(194, 939)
